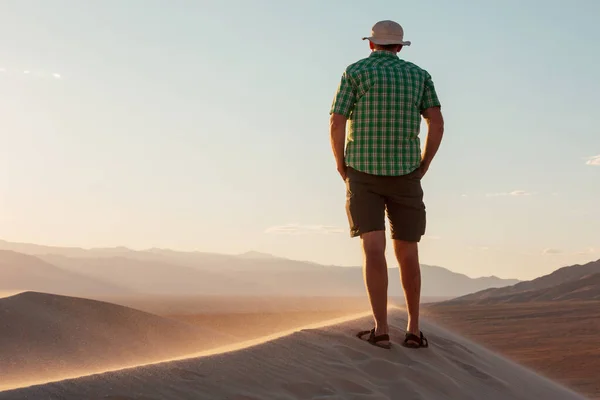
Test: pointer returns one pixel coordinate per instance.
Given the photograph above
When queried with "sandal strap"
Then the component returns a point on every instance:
(379, 338)
(422, 340)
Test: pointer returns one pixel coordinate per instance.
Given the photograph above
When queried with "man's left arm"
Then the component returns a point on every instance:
(343, 104)
(430, 108)
(337, 132)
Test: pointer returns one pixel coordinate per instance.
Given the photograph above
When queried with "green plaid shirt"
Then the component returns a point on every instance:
(383, 97)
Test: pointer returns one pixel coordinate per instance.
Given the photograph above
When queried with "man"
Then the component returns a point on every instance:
(383, 98)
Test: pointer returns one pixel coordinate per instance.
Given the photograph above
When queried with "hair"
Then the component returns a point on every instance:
(388, 47)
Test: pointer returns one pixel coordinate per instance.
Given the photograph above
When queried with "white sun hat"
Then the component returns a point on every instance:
(387, 32)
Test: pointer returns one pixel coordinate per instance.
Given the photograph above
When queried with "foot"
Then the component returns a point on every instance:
(413, 328)
(379, 340)
(379, 332)
(414, 341)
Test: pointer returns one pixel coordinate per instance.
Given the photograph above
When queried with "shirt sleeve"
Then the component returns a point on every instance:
(430, 97)
(345, 97)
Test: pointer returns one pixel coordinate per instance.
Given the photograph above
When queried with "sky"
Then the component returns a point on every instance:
(203, 126)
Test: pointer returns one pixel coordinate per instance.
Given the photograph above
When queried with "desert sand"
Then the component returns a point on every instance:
(324, 362)
(46, 336)
(557, 339)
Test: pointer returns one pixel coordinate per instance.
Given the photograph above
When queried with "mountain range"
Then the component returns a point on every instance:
(577, 282)
(122, 271)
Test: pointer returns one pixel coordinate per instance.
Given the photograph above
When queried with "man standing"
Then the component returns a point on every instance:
(382, 98)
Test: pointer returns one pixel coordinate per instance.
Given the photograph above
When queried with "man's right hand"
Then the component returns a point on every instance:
(424, 167)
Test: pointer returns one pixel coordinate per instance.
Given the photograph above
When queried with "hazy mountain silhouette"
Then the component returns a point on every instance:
(36, 249)
(577, 282)
(164, 272)
(159, 277)
(21, 272)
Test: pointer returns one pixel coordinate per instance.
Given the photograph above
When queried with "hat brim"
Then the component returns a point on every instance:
(386, 41)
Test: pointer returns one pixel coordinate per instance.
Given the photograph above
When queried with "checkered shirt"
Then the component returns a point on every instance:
(383, 97)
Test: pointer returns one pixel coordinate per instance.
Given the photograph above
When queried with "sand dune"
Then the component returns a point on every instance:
(319, 363)
(559, 339)
(45, 336)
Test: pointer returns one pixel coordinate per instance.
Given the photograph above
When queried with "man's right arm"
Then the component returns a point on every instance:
(341, 109)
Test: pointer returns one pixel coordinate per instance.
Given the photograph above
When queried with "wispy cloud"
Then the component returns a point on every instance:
(589, 250)
(551, 251)
(299, 229)
(595, 160)
(513, 193)
(31, 73)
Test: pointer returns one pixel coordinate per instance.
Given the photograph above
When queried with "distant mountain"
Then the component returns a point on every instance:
(256, 255)
(437, 281)
(21, 272)
(577, 282)
(44, 336)
(36, 249)
(161, 277)
(168, 272)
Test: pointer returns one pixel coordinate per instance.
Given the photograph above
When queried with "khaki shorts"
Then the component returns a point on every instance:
(368, 197)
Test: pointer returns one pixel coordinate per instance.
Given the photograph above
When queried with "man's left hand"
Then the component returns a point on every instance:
(343, 171)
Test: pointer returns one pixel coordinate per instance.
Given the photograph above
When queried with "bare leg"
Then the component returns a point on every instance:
(407, 254)
(376, 278)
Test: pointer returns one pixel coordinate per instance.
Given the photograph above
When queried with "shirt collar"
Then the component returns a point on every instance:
(383, 53)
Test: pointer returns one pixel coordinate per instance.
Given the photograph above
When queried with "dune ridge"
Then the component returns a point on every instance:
(48, 336)
(317, 363)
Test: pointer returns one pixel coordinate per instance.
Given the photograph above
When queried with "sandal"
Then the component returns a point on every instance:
(374, 340)
(420, 341)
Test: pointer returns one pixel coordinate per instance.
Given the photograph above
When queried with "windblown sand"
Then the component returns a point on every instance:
(327, 362)
(47, 337)
(560, 339)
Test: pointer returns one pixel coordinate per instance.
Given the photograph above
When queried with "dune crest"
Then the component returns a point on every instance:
(326, 362)
(47, 337)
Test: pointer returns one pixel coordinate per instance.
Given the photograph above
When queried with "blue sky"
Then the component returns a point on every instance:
(203, 125)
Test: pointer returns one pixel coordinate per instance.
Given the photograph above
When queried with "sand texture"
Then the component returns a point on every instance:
(557, 339)
(46, 336)
(327, 362)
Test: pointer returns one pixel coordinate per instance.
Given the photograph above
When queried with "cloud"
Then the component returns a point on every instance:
(519, 193)
(595, 160)
(32, 73)
(589, 250)
(298, 229)
(513, 193)
(551, 251)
